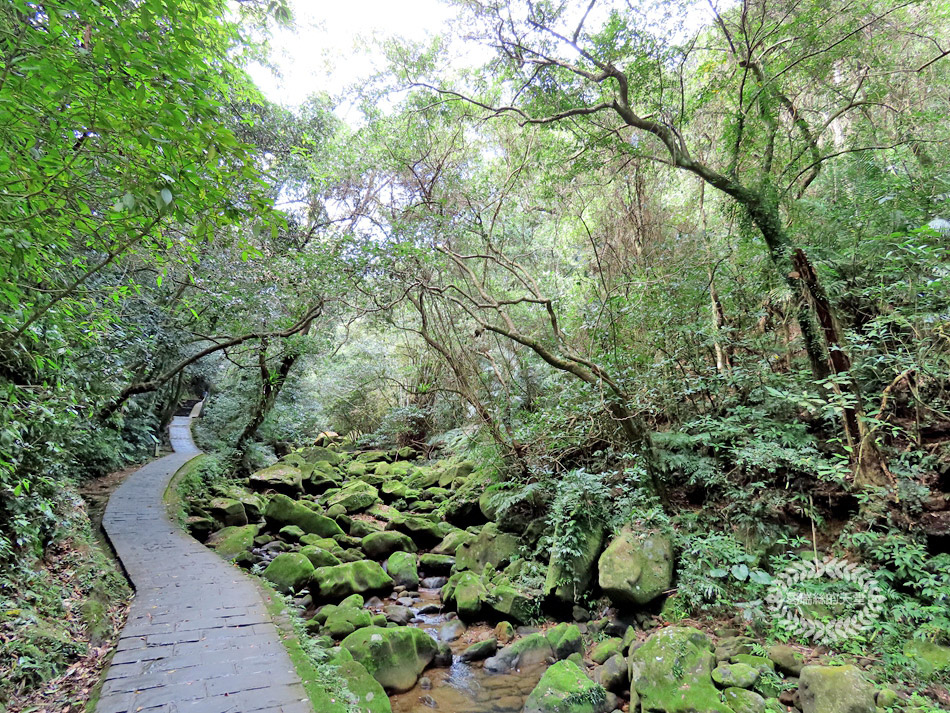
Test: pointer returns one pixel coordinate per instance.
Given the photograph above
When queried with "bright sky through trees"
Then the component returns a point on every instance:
(329, 46)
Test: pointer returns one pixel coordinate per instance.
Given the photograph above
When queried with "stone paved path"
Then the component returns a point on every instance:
(198, 637)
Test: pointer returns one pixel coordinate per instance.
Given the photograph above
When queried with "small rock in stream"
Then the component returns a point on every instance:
(451, 630)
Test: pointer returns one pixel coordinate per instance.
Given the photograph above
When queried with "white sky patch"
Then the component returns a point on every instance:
(330, 47)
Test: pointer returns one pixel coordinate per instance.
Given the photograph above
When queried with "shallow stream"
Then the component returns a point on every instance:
(464, 687)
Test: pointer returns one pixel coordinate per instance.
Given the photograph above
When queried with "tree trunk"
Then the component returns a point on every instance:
(271, 385)
(869, 464)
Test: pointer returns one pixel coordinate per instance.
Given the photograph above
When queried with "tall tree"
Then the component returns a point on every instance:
(751, 106)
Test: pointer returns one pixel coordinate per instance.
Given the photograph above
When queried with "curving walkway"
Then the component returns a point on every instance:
(198, 637)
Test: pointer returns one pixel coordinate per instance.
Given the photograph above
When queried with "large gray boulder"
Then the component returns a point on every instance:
(565, 688)
(835, 689)
(282, 511)
(394, 656)
(636, 568)
(672, 670)
(490, 547)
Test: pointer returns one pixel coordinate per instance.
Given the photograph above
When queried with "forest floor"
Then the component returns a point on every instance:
(70, 692)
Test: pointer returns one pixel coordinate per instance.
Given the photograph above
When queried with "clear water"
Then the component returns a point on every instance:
(464, 687)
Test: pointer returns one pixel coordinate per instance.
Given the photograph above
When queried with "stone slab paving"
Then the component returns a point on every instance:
(198, 637)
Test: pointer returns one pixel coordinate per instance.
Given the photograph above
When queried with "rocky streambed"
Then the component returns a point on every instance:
(418, 591)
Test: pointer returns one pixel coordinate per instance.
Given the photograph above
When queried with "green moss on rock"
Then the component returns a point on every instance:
(379, 545)
(671, 672)
(319, 557)
(565, 688)
(527, 651)
(402, 567)
(606, 649)
(348, 578)
(567, 579)
(565, 639)
(282, 511)
(742, 701)
(288, 572)
(491, 547)
(280, 477)
(370, 697)
(233, 541)
(452, 541)
(393, 656)
(835, 689)
(635, 568)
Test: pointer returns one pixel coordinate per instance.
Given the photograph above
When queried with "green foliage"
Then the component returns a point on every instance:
(581, 502)
(45, 620)
(119, 174)
(716, 573)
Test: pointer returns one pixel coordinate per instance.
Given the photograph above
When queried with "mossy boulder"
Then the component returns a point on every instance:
(480, 650)
(318, 454)
(200, 527)
(436, 564)
(672, 670)
(386, 513)
(345, 620)
(606, 649)
(512, 603)
(291, 533)
(348, 578)
(786, 659)
(354, 601)
(324, 543)
(406, 453)
(356, 496)
(835, 689)
(636, 568)
(319, 482)
(565, 688)
(319, 557)
(362, 528)
(612, 675)
(282, 511)
(231, 542)
(450, 472)
(565, 639)
(735, 675)
(491, 547)
(375, 456)
(379, 545)
(393, 490)
(280, 477)
(403, 569)
(289, 572)
(469, 594)
(768, 684)
(393, 656)
(929, 657)
(526, 651)
(370, 696)
(742, 701)
(728, 647)
(355, 469)
(228, 511)
(568, 578)
(424, 477)
(424, 532)
(253, 505)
